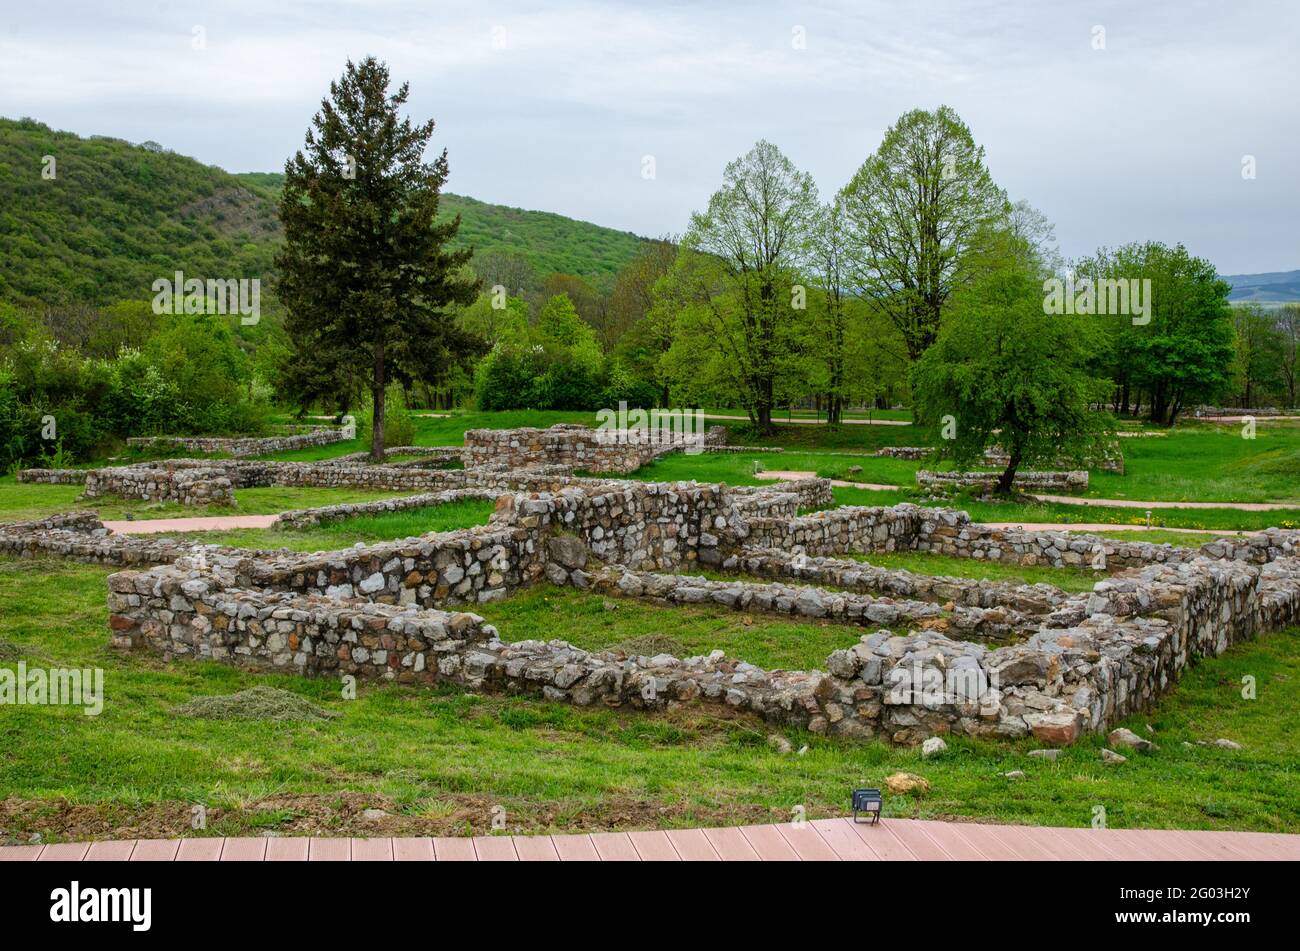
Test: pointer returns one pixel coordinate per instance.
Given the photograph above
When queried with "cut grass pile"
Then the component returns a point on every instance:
(438, 760)
(264, 703)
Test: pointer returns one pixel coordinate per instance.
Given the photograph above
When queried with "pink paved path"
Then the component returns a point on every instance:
(819, 840)
(214, 523)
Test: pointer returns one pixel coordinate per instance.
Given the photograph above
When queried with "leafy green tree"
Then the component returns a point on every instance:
(1288, 325)
(915, 209)
(631, 299)
(1184, 353)
(1260, 349)
(365, 272)
(560, 325)
(828, 326)
(1002, 372)
(735, 274)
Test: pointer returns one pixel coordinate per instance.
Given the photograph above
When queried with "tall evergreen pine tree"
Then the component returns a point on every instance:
(365, 271)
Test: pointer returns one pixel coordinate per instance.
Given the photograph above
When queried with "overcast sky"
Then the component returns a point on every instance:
(554, 105)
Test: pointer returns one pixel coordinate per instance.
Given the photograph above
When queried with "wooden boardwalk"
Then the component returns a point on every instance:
(835, 840)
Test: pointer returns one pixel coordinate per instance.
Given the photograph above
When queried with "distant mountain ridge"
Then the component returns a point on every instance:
(110, 217)
(1271, 287)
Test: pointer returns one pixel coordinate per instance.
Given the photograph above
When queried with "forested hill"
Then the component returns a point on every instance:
(550, 242)
(1268, 288)
(115, 217)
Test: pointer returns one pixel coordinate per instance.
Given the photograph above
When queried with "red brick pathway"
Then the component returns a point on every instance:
(819, 840)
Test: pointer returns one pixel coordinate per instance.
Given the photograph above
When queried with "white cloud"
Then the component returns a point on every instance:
(1142, 139)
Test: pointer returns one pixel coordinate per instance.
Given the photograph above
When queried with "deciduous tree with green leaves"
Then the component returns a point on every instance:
(366, 275)
(1004, 373)
(739, 327)
(915, 209)
(1184, 353)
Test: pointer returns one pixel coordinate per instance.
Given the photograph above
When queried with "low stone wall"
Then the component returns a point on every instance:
(252, 445)
(53, 476)
(81, 536)
(813, 603)
(1111, 461)
(1269, 545)
(645, 526)
(302, 519)
(809, 493)
(579, 447)
(840, 530)
(181, 612)
(1070, 481)
(950, 532)
(1078, 662)
(188, 612)
(428, 456)
(1140, 632)
(183, 486)
(1038, 599)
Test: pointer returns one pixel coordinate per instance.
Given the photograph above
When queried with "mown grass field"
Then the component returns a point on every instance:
(23, 501)
(638, 627)
(366, 529)
(438, 761)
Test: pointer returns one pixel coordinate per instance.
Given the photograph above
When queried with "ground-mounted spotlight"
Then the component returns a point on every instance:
(867, 801)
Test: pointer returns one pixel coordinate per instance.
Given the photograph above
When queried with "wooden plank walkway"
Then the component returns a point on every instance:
(834, 840)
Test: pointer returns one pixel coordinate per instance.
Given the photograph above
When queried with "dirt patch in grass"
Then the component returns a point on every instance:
(256, 703)
(361, 814)
(9, 651)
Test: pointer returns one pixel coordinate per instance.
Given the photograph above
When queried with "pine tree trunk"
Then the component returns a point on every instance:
(377, 395)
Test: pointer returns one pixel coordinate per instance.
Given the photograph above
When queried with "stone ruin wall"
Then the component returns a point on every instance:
(582, 448)
(1112, 460)
(252, 445)
(1078, 664)
(1074, 480)
(1131, 640)
(908, 527)
(200, 486)
(578, 447)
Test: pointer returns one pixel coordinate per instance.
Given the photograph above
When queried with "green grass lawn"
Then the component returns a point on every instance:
(1068, 578)
(1157, 537)
(369, 529)
(438, 761)
(594, 622)
(20, 502)
(1055, 512)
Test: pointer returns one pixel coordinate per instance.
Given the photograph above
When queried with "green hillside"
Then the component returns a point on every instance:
(117, 216)
(549, 241)
(1269, 288)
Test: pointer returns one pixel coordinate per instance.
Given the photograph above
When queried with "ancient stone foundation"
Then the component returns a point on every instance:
(253, 445)
(1075, 480)
(940, 655)
(205, 486)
